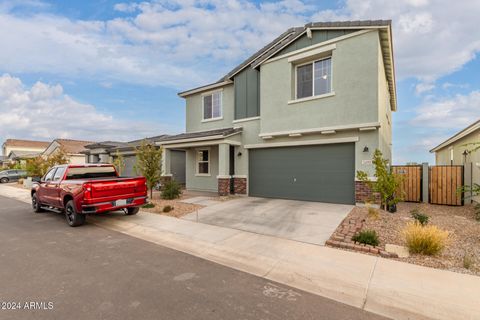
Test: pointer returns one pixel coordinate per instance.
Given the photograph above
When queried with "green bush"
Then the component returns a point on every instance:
(148, 205)
(167, 208)
(477, 212)
(367, 237)
(171, 190)
(420, 217)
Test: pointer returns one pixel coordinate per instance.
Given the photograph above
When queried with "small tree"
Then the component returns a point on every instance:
(119, 162)
(387, 183)
(58, 157)
(38, 166)
(149, 164)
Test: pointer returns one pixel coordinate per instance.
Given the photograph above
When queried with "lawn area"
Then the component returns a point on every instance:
(462, 252)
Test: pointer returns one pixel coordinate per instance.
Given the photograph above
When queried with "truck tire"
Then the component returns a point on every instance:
(4, 180)
(74, 219)
(37, 207)
(133, 210)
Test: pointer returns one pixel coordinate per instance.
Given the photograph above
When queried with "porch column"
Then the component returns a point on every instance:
(223, 169)
(166, 168)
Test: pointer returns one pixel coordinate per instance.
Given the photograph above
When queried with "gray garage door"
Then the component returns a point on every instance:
(324, 173)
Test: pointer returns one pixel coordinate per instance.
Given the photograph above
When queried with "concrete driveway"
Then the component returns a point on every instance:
(311, 222)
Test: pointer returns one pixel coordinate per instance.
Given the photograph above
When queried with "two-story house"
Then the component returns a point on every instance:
(296, 119)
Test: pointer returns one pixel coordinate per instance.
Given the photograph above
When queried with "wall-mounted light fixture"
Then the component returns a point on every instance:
(365, 149)
(239, 154)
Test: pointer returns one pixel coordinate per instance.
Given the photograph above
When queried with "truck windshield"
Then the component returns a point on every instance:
(90, 172)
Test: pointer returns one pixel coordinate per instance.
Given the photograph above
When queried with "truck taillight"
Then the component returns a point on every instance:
(87, 191)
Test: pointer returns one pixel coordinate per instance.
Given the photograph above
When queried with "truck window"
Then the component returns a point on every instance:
(49, 175)
(59, 174)
(90, 173)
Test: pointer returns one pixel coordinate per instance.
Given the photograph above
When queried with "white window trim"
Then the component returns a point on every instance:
(321, 96)
(198, 162)
(295, 99)
(210, 93)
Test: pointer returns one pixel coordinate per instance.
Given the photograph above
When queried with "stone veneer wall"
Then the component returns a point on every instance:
(223, 186)
(363, 193)
(240, 185)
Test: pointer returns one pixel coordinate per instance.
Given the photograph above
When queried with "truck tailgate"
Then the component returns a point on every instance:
(117, 188)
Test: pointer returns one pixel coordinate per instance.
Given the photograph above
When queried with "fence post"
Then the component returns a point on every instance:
(425, 190)
(467, 181)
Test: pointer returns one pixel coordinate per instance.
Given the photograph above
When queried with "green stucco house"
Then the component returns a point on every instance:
(296, 119)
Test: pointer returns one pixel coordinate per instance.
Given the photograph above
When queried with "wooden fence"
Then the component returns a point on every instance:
(444, 182)
(411, 187)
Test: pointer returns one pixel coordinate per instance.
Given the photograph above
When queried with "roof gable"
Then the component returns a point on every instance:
(459, 135)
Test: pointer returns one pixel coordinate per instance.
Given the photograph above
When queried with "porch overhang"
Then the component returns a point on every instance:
(205, 138)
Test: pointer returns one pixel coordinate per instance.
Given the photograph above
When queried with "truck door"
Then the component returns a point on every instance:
(46, 186)
(54, 187)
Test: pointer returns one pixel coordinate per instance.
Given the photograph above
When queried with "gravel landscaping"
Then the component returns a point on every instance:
(179, 208)
(463, 247)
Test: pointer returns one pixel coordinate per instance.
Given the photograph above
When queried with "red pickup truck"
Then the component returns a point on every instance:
(78, 190)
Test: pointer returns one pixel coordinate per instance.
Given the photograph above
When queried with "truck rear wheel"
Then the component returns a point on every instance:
(74, 219)
(133, 210)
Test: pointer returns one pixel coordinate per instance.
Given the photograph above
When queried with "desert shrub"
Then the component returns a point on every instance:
(420, 217)
(373, 213)
(428, 240)
(171, 190)
(367, 237)
(468, 260)
(167, 208)
(148, 205)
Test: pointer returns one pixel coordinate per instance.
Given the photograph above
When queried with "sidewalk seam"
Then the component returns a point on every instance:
(368, 284)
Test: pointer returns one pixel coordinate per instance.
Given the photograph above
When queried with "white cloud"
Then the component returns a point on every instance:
(450, 113)
(45, 112)
(423, 87)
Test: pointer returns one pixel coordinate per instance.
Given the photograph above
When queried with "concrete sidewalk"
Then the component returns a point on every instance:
(394, 289)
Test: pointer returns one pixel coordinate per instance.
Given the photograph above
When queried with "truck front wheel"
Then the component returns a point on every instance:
(74, 219)
(132, 210)
(37, 207)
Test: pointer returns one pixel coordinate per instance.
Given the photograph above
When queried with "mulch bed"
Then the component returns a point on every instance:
(464, 238)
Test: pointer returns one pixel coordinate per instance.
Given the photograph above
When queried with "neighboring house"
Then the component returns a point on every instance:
(73, 148)
(13, 149)
(106, 151)
(296, 119)
(21, 157)
(456, 151)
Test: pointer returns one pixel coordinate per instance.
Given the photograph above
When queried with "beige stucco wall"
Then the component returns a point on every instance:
(443, 156)
(194, 111)
(77, 159)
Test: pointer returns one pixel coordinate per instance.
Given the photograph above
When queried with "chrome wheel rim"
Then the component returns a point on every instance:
(34, 202)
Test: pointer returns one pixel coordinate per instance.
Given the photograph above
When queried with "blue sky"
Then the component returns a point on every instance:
(111, 69)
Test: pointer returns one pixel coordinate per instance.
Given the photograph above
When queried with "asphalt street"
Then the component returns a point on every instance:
(49, 270)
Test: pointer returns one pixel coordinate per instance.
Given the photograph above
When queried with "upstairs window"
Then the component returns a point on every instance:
(212, 106)
(314, 78)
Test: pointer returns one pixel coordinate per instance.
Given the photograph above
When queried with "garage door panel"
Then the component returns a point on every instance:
(318, 173)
